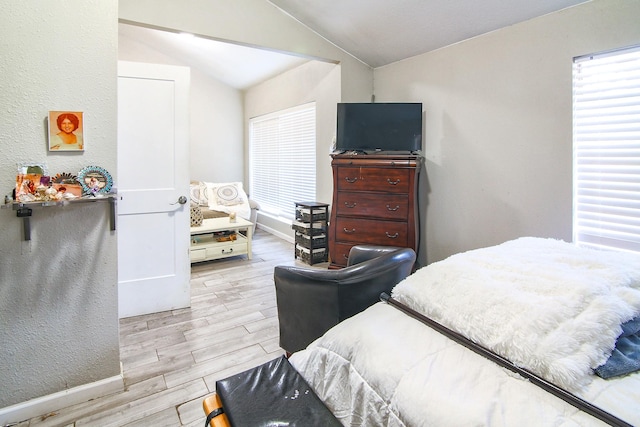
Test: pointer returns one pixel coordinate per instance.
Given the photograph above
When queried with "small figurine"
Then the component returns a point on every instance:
(50, 193)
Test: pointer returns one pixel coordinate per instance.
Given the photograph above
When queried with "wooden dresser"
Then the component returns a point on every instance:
(375, 201)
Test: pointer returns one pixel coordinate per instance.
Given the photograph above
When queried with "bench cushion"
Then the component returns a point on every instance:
(272, 394)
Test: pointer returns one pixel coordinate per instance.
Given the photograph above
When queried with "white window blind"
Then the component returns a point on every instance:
(283, 159)
(606, 147)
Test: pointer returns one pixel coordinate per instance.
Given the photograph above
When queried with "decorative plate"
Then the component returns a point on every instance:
(95, 179)
(65, 178)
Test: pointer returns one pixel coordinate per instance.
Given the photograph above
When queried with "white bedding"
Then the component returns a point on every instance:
(383, 368)
(544, 304)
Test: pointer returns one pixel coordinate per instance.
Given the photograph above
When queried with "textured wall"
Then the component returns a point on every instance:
(498, 121)
(58, 292)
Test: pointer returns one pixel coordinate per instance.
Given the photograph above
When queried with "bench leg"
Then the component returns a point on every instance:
(212, 403)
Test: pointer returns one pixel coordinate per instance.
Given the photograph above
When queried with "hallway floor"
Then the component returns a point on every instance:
(171, 360)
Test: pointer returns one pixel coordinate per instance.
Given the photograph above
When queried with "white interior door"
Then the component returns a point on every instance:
(153, 174)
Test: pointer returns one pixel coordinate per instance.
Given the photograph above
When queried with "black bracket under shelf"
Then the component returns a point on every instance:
(25, 210)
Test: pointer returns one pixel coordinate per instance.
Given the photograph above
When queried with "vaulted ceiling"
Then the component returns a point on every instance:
(377, 32)
(237, 66)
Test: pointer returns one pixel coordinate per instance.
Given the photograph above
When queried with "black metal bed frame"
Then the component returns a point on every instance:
(573, 400)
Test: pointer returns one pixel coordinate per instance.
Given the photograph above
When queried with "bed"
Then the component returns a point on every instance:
(547, 306)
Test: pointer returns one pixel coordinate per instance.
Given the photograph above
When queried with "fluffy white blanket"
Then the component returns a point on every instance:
(544, 304)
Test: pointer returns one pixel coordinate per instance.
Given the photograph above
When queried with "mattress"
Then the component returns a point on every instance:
(384, 368)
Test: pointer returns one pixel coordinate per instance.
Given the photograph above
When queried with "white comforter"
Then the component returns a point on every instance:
(383, 368)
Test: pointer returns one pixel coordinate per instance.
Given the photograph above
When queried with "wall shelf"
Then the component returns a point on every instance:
(26, 220)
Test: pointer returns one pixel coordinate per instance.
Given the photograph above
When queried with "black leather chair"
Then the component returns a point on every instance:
(311, 301)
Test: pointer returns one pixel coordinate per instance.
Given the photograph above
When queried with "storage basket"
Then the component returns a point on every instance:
(305, 240)
(310, 215)
(318, 255)
(308, 228)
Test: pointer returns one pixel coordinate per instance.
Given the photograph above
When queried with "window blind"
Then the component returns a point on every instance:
(283, 159)
(606, 147)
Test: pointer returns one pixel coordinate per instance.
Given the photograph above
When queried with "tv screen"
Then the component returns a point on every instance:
(379, 127)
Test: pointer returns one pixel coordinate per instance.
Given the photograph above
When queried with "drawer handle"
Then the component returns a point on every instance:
(230, 250)
(391, 236)
(389, 208)
(396, 182)
(350, 180)
(353, 230)
(350, 205)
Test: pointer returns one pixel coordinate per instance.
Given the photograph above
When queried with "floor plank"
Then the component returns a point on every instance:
(172, 359)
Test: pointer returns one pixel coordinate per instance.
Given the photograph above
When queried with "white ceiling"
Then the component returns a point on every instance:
(237, 66)
(378, 32)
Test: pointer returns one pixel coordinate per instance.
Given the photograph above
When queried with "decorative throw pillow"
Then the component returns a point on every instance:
(198, 192)
(196, 215)
(229, 194)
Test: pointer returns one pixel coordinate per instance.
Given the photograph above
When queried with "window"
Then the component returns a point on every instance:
(606, 147)
(283, 159)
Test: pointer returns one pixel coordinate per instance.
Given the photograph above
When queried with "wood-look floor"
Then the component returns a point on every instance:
(171, 360)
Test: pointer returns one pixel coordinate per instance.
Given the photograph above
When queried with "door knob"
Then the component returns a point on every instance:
(182, 200)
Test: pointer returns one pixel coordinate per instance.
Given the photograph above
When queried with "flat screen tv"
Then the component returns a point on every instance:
(379, 126)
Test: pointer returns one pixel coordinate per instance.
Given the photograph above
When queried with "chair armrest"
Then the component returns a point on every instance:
(312, 300)
(306, 303)
(362, 253)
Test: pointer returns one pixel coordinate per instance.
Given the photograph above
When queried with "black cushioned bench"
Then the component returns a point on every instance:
(272, 394)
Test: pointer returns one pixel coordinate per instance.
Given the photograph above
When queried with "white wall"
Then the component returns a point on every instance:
(216, 131)
(498, 142)
(215, 117)
(58, 292)
(313, 81)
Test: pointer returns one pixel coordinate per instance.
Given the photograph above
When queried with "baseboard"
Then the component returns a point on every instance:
(275, 232)
(52, 402)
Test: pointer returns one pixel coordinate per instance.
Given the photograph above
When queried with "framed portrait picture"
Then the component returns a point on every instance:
(65, 131)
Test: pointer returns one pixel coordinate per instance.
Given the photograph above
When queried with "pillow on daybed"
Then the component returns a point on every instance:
(229, 194)
(198, 193)
(228, 197)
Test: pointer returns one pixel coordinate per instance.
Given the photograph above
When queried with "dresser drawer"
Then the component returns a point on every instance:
(227, 249)
(340, 253)
(198, 254)
(372, 205)
(373, 179)
(387, 233)
(205, 247)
